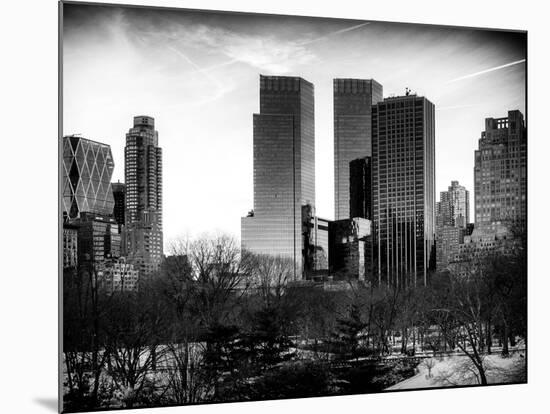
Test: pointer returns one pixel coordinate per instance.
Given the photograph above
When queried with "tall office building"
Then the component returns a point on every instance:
(403, 172)
(143, 214)
(353, 100)
(87, 170)
(452, 219)
(500, 172)
(284, 169)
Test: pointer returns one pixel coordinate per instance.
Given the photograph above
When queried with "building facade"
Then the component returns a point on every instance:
(349, 247)
(284, 169)
(143, 212)
(70, 246)
(353, 100)
(403, 176)
(98, 241)
(453, 207)
(119, 276)
(500, 172)
(315, 236)
(86, 183)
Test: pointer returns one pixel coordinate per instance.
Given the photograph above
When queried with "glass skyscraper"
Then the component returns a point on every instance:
(143, 214)
(284, 168)
(353, 100)
(87, 170)
(403, 171)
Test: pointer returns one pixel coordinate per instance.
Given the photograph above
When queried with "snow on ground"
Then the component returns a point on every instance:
(459, 370)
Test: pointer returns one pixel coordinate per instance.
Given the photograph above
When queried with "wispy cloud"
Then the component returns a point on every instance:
(337, 32)
(483, 72)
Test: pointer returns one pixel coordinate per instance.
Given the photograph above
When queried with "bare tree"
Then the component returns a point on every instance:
(269, 275)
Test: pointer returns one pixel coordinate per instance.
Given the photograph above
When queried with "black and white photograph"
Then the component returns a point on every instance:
(264, 206)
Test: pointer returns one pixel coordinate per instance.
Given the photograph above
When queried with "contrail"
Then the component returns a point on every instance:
(472, 75)
(347, 29)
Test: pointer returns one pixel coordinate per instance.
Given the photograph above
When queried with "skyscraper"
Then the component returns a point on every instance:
(284, 168)
(403, 154)
(143, 177)
(353, 100)
(500, 172)
(87, 170)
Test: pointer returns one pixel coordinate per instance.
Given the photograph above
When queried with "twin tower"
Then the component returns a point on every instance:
(393, 140)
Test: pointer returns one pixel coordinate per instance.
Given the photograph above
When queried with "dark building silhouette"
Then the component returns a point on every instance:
(403, 176)
(353, 100)
(284, 169)
(143, 214)
(119, 195)
(360, 188)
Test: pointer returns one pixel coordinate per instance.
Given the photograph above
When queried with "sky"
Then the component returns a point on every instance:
(197, 73)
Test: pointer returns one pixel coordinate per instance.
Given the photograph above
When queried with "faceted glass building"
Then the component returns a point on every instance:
(500, 172)
(87, 170)
(403, 172)
(284, 168)
(353, 100)
(143, 213)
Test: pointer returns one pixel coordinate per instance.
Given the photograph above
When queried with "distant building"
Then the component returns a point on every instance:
(360, 188)
(452, 219)
(70, 246)
(98, 241)
(86, 183)
(349, 249)
(482, 242)
(119, 276)
(353, 100)
(143, 213)
(403, 176)
(284, 169)
(500, 172)
(315, 232)
(144, 243)
(453, 209)
(449, 240)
